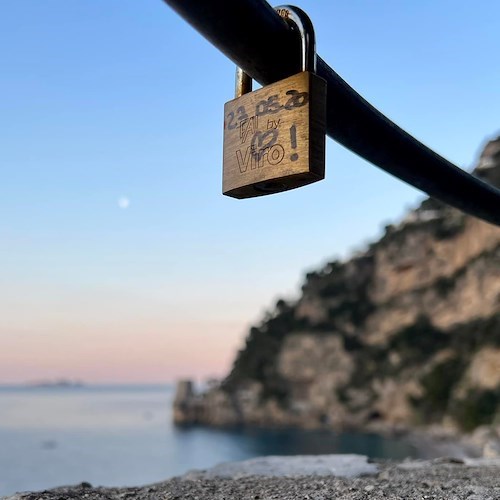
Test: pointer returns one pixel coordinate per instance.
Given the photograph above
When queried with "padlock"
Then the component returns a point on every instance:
(274, 137)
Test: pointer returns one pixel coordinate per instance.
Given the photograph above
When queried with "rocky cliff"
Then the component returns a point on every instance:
(405, 333)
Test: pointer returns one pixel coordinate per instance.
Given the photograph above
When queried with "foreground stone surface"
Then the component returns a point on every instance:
(472, 479)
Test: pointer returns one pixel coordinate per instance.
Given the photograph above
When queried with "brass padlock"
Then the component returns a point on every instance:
(274, 138)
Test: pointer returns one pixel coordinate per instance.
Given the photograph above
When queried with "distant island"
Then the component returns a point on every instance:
(55, 384)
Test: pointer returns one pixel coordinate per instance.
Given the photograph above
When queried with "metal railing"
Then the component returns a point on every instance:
(351, 120)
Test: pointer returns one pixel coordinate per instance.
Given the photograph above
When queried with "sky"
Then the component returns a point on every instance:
(120, 260)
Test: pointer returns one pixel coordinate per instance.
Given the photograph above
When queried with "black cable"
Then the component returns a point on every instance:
(256, 39)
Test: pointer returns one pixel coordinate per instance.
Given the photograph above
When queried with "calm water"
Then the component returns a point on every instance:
(123, 436)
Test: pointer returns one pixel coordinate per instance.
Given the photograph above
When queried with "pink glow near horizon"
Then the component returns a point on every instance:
(160, 354)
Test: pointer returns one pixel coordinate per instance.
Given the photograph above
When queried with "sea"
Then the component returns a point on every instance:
(124, 436)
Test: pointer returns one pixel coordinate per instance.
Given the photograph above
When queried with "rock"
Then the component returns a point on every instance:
(278, 466)
(492, 448)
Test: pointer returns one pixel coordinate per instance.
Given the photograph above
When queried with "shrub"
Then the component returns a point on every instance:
(477, 408)
(437, 386)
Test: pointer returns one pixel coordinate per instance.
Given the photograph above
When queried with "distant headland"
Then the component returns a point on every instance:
(62, 383)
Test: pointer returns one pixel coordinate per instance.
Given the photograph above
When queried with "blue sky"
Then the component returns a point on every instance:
(112, 100)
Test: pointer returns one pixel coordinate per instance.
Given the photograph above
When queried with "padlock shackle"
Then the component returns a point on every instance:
(243, 83)
(298, 21)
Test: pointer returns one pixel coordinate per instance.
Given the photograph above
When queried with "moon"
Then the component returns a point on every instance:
(123, 202)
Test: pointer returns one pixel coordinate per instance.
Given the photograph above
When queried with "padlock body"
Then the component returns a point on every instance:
(274, 137)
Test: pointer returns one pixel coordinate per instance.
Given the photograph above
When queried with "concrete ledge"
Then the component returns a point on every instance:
(300, 465)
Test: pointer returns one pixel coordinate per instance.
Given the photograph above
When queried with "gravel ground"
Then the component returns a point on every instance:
(432, 479)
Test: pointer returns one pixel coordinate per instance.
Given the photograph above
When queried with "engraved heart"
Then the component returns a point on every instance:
(262, 141)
